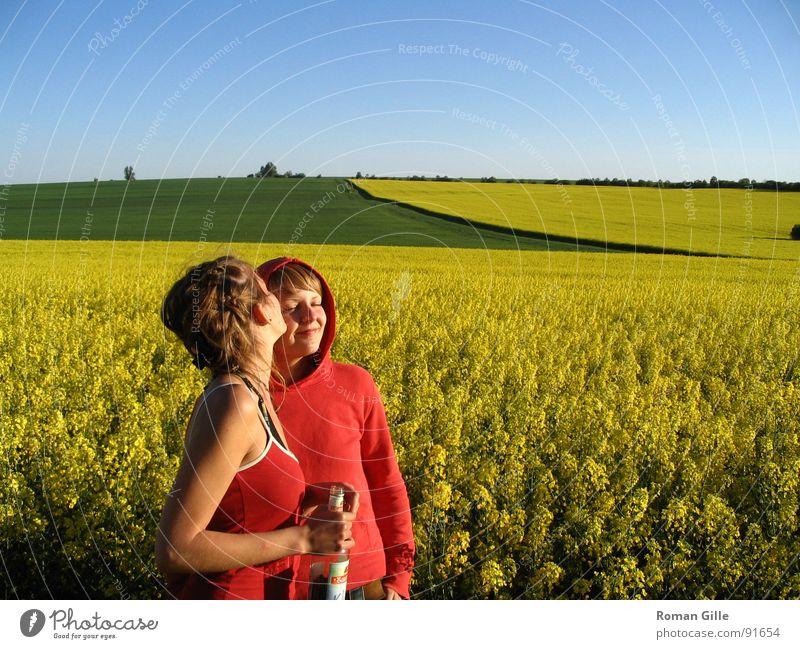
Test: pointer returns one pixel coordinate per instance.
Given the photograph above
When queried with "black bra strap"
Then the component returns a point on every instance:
(265, 413)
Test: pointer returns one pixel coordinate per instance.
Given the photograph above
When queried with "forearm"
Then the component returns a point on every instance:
(212, 551)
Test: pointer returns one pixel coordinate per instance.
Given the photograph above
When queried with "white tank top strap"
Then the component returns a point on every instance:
(270, 440)
(207, 393)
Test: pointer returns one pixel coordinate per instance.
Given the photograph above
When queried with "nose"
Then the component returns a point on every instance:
(306, 313)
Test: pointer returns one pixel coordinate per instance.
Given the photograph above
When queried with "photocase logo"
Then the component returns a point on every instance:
(31, 622)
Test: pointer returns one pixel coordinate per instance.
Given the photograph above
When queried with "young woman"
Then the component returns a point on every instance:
(231, 524)
(334, 420)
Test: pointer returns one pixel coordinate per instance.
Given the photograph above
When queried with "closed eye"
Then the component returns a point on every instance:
(291, 306)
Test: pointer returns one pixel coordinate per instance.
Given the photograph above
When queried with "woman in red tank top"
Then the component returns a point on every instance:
(231, 523)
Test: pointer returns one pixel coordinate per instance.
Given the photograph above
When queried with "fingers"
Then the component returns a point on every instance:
(391, 594)
(352, 500)
(344, 535)
(331, 531)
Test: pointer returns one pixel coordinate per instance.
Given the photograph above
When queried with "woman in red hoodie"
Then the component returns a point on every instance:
(230, 527)
(334, 420)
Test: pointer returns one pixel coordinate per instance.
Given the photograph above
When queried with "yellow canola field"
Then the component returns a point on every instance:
(737, 222)
(569, 426)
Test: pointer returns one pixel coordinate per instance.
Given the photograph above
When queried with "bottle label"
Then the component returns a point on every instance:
(337, 579)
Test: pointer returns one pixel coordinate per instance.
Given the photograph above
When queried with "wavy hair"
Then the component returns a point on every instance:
(210, 309)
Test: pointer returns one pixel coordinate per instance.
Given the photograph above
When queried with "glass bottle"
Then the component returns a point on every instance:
(328, 577)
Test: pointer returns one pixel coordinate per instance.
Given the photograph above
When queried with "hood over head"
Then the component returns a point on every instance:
(269, 268)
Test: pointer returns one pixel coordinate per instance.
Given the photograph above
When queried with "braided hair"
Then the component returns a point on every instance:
(210, 309)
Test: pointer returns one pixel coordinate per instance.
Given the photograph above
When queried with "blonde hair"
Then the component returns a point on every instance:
(294, 277)
(210, 309)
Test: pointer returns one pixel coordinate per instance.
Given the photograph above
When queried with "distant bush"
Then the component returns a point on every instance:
(796, 232)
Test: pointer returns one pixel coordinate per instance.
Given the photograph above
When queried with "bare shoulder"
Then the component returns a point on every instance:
(224, 393)
(225, 406)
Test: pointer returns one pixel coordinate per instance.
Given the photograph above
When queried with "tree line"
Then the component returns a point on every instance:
(711, 183)
(270, 170)
(700, 183)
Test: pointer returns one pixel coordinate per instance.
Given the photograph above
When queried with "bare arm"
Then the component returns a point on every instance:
(222, 432)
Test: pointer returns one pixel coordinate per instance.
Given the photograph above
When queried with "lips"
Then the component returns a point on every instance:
(308, 332)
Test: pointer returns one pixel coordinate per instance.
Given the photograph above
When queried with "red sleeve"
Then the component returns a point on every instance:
(389, 497)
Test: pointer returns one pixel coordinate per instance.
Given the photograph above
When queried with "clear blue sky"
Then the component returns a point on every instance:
(640, 89)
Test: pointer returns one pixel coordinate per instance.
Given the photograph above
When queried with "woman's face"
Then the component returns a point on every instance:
(305, 323)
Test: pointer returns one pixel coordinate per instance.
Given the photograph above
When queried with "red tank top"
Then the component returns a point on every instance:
(264, 495)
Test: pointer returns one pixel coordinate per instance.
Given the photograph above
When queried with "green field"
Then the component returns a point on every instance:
(731, 222)
(311, 210)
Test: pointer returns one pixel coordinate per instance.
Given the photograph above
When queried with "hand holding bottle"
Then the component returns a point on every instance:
(328, 532)
(328, 577)
(329, 528)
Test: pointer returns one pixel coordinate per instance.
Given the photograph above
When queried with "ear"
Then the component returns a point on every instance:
(260, 314)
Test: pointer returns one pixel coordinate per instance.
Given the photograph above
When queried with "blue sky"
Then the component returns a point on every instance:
(676, 90)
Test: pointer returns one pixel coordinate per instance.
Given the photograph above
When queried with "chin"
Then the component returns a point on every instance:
(306, 350)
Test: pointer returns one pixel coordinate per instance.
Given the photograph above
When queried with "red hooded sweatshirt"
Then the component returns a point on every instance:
(335, 424)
